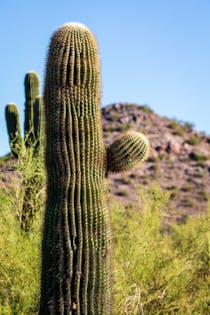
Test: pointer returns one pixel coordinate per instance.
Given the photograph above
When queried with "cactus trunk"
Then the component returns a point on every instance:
(76, 237)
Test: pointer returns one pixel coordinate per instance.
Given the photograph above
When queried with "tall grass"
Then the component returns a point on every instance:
(156, 271)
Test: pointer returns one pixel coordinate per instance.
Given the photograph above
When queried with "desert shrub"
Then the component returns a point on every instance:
(146, 109)
(198, 157)
(193, 140)
(155, 271)
(158, 272)
(174, 124)
(19, 261)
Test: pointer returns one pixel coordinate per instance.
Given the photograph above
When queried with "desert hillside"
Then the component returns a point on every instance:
(179, 158)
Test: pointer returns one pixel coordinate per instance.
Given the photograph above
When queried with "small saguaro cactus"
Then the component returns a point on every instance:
(31, 84)
(33, 125)
(13, 127)
(76, 241)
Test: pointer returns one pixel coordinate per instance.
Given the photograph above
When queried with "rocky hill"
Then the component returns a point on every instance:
(179, 159)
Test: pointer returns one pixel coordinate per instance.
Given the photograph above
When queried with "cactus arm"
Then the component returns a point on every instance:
(13, 127)
(31, 83)
(127, 152)
(38, 122)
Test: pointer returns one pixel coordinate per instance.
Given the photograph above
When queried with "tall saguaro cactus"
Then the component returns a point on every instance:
(76, 245)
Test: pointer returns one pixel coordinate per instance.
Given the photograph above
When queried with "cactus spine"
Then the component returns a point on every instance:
(13, 127)
(76, 245)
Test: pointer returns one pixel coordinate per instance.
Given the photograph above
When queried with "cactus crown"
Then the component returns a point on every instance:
(73, 67)
(31, 84)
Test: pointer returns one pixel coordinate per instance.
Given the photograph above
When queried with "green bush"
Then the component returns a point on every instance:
(193, 140)
(146, 109)
(155, 271)
(158, 272)
(19, 261)
(198, 157)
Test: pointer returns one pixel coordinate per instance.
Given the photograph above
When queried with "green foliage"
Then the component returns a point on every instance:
(31, 171)
(198, 157)
(177, 128)
(158, 272)
(188, 126)
(19, 260)
(146, 109)
(193, 140)
(174, 124)
(155, 272)
(180, 127)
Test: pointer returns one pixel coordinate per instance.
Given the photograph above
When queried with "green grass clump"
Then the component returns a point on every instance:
(156, 272)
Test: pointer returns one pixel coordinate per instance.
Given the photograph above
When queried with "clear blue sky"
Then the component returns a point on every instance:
(154, 52)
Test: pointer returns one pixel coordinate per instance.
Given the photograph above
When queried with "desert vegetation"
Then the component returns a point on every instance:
(157, 269)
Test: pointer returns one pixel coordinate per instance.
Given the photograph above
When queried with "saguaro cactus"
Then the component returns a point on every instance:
(76, 246)
(33, 124)
(13, 127)
(31, 84)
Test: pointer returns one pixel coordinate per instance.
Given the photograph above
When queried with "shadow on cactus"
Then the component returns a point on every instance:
(76, 241)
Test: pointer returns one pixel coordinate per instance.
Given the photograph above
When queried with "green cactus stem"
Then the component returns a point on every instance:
(127, 152)
(13, 127)
(31, 84)
(38, 122)
(76, 241)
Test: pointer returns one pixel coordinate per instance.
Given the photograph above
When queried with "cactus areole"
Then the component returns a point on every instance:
(76, 246)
